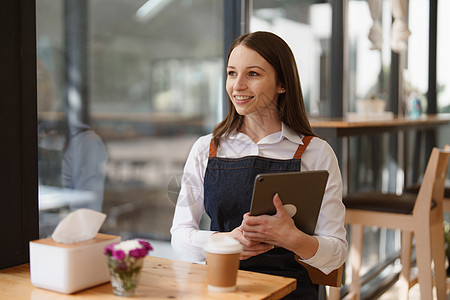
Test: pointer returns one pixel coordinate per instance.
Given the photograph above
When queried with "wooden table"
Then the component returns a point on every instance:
(161, 279)
(334, 128)
(344, 127)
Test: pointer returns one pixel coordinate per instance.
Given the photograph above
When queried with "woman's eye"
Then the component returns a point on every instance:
(253, 74)
(231, 73)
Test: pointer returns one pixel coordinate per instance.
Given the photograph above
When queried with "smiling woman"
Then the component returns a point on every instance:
(265, 131)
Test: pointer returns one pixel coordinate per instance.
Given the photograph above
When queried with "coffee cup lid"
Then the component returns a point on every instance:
(222, 244)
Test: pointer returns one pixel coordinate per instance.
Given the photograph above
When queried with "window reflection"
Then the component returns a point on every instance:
(443, 65)
(416, 79)
(368, 68)
(306, 27)
(443, 62)
(150, 85)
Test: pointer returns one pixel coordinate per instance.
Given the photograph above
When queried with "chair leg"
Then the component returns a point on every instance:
(355, 257)
(334, 293)
(423, 250)
(404, 280)
(438, 252)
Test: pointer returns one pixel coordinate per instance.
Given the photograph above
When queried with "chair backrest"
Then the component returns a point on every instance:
(433, 183)
(320, 278)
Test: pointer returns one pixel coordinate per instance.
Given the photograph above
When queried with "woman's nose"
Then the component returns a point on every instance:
(240, 84)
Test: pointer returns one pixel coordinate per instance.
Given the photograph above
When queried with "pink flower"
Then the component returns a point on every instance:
(146, 245)
(109, 249)
(138, 253)
(119, 254)
(131, 248)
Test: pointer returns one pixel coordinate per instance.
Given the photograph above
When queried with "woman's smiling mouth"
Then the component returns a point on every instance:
(242, 99)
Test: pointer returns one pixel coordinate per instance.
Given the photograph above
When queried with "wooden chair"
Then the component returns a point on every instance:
(333, 280)
(420, 215)
(414, 189)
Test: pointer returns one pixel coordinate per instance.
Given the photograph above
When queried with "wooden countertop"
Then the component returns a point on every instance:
(161, 279)
(340, 127)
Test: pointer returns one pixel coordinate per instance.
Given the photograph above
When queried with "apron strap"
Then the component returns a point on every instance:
(302, 148)
(212, 149)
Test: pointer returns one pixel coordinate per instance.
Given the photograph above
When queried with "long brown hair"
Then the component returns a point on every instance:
(291, 108)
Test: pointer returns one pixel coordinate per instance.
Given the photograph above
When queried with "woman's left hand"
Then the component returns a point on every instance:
(279, 230)
(273, 229)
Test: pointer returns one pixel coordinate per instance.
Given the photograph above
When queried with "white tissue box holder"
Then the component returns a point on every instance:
(68, 268)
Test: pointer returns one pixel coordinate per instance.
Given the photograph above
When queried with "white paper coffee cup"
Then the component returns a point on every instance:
(222, 260)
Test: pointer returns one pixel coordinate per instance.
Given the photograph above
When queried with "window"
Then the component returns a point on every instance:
(443, 65)
(306, 27)
(124, 90)
(369, 62)
(443, 62)
(416, 78)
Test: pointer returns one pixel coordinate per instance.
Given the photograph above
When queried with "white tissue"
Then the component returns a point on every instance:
(80, 225)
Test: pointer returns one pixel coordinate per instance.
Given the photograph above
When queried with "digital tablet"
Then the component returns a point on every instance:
(300, 192)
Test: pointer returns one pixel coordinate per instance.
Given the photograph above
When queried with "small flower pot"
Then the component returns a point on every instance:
(125, 275)
(125, 260)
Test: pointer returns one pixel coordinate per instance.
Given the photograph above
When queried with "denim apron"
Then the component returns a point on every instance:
(228, 188)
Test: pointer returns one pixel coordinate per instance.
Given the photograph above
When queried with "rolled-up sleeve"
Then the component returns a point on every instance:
(330, 230)
(187, 238)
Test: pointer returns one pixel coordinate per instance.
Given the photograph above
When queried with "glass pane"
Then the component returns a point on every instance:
(369, 62)
(369, 59)
(443, 80)
(306, 27)
(124, 90)
(416, 79)
(443, 61)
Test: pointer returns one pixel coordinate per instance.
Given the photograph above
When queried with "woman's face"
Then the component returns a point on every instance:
(251, 82)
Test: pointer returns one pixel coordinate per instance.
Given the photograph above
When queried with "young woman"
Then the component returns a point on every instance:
(266, 130)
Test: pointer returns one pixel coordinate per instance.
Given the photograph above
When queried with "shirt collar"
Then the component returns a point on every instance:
(286, 132)
(290, 134)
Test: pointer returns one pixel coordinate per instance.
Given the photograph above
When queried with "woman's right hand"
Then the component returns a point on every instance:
(250, 248)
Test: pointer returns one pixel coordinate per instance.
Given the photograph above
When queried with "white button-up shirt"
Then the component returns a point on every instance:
(187, 238)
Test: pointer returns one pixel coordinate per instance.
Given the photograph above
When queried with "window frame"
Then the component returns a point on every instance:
(19, 222)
